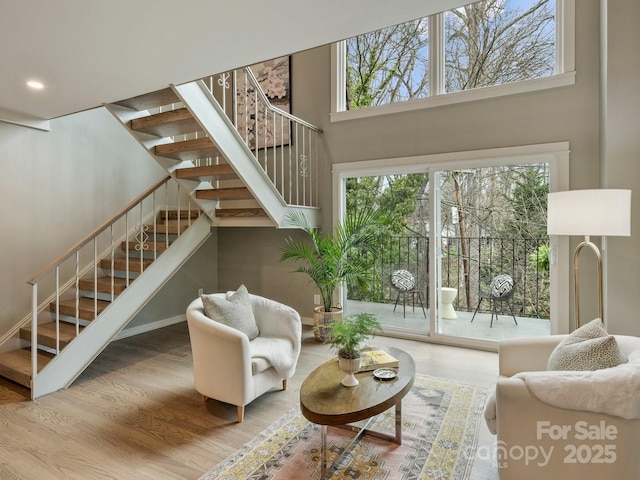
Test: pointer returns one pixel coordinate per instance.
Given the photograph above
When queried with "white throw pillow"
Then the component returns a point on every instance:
(587, 348)
(234, 311)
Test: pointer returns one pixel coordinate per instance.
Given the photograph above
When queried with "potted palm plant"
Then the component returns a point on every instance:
(346, 338)
(331, 259)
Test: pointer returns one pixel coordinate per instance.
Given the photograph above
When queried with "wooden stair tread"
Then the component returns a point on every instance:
(224, 193)
(121, 264)
(240, 212)
(16, 365)
(223, 171)
(189, 149)
(166, 124)
(171, 228)
(173, 214)
(134, 246)
(86, 307)
(159, 98)
(47, 333)
(104, 284)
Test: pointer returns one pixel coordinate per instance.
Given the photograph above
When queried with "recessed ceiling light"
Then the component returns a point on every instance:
(35, 85)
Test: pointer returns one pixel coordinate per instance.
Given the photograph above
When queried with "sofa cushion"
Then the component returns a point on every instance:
(589, 347)
(234, 311)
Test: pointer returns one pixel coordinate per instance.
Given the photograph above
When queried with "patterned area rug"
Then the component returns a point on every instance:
(440, 422)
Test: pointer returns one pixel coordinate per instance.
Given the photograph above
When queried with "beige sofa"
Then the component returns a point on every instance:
(538, 440)
(228, 367)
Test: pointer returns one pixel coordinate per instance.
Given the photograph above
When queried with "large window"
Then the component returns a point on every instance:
(498, 41)
(484, 44)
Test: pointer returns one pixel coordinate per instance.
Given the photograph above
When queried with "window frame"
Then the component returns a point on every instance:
(564, 76)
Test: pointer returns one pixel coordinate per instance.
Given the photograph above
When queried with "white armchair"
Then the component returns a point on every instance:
(228, 367)
(578, 429)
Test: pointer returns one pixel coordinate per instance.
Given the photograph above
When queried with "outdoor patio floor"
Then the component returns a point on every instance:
(414, 320)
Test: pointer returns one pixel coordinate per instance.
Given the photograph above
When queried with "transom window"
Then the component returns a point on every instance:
(484, 44)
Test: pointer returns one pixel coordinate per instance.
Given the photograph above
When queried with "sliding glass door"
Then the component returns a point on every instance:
(399, 291)
(492, 252)
(464, 255)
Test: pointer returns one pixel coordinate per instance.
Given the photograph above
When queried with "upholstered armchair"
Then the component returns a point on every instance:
(231, 368)
(565, 424)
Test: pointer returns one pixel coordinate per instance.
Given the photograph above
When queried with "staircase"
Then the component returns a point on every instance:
(216, 177)
(99, 285)
(237, 181)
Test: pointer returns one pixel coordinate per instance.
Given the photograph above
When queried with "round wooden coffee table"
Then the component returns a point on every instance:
(325, 401)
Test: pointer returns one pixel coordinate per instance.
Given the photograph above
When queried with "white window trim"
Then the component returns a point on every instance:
(555, 154)
(565, 66)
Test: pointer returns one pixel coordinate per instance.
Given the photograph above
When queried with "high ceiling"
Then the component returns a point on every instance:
(90, 52)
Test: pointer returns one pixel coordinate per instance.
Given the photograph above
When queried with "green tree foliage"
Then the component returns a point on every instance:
(527, 217)
(401, 202)
(502, 210)
(380, 63)
(395, 196)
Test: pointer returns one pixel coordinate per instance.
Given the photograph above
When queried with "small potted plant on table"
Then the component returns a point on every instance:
(346, 337)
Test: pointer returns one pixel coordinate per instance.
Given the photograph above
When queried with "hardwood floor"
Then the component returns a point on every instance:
(134, 413)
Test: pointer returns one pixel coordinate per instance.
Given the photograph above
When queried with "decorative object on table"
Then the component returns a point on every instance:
(373, 359)
(405, 283)
(441, 421)
(346, 337)
(501, 289)
(600, 212)
(344, 256)
(385, 373)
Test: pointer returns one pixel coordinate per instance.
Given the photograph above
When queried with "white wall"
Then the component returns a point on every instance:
(251, 256)
(55, 188)
(621, 159)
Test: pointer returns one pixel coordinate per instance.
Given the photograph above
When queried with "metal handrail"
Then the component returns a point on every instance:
(488, 256)
(99, 229)
(290, 162)
(265, 99)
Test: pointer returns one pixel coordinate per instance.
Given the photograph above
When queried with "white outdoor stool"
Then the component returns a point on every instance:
(448, 296)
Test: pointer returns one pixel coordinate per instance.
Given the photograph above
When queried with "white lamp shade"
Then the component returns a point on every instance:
(599, 212)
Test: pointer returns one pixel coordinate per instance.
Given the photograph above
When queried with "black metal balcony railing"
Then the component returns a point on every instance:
(469, 269)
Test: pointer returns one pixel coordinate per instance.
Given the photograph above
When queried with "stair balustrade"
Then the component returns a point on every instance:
(287, 148)
(80, 284)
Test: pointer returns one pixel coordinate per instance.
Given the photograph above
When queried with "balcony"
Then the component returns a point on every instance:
(467, 265)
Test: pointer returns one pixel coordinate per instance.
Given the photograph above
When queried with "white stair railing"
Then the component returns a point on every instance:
(109, 242)
(287, 148)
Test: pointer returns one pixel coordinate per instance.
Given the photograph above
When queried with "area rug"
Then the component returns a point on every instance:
(440, 425)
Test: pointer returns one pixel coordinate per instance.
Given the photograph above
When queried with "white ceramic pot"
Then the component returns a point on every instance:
(349, 366)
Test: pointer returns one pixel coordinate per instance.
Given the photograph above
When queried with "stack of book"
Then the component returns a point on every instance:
(373, 359)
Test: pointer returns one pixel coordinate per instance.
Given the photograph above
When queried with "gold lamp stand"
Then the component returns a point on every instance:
(596, 251)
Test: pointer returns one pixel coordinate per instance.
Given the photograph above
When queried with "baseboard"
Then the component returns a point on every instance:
(308, 321)
(148, 327)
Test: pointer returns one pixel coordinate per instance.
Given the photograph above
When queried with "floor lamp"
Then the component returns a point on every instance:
(601, 212)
